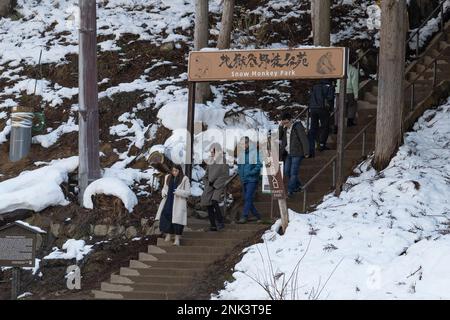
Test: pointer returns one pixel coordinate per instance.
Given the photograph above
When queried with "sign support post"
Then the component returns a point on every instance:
(190, 131)
(15, 283)
(341, 128)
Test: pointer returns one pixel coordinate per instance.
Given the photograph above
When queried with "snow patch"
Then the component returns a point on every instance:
(110, 186)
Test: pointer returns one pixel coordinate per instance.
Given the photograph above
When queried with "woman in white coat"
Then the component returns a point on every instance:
(172, 212)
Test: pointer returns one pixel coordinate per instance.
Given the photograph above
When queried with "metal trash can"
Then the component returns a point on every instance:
(20, 139)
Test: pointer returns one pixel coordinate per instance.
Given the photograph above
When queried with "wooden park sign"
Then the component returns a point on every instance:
(267, 64)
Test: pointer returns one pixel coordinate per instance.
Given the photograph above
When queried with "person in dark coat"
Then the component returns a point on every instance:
(249, 169)
(216, 176)
(294, 148)
(172, 211)
(320, 105)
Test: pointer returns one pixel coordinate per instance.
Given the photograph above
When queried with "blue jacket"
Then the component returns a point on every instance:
(250, 169)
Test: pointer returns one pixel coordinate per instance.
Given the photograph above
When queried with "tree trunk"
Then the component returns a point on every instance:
(201, 36)
(6, 7)
(321, 20)
(389, 131)
(227, 25)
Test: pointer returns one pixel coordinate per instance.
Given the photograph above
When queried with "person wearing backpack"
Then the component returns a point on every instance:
(320, 105)
(294, 148)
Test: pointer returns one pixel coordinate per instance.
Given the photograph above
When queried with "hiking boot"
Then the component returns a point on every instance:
(167, 238)
(242, 220)
(220, 226)
(212, 229)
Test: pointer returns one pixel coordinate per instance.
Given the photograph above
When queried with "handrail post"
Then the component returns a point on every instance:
(304, 200)
(417, 42)
(225, 197)
(341, 129)
(334, 174)
(364, 143)
(412, 97)
(434, 72)
(378, 64)
(308, 117)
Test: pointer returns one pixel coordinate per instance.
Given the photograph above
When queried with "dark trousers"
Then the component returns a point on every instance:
(215, 214)
(249, 189)
(291, 170)
(320, 127)
(350, 108)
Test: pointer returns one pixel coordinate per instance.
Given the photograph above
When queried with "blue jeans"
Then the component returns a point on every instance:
(249, 189)
(291, 170)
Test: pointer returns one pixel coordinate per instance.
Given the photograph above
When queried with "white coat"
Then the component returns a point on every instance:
(182, 192)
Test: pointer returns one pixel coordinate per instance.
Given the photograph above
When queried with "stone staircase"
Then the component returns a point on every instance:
(164, 271)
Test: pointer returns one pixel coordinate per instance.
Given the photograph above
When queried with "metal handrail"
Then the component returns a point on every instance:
(411, 84)
(440, 7)
(362, 132)
(332, 161)
(416, 32)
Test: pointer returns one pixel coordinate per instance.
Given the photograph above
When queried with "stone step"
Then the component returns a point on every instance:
(266, 198)
(183, 272)
(202, 242)
(428, 60)
(232, 227)
(151, 279)
(443, 45)
(188, 256)
(420, 67)
(168, 264)
(164, 288)
(223, 234)
(363, 105)
(135, 295)
(370, 97)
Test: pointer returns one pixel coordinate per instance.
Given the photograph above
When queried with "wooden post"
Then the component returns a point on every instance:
(341, 129)
(282, 204)
(88, 141)
(389, 128)
(201, 36)
(321, 19)
(190, 130)
(227, 25)
(15, 283)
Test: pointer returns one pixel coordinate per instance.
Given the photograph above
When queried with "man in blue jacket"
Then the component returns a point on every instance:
(249, 169)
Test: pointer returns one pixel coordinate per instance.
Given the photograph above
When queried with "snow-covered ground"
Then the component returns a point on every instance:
(37, 189)
(385, 237)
